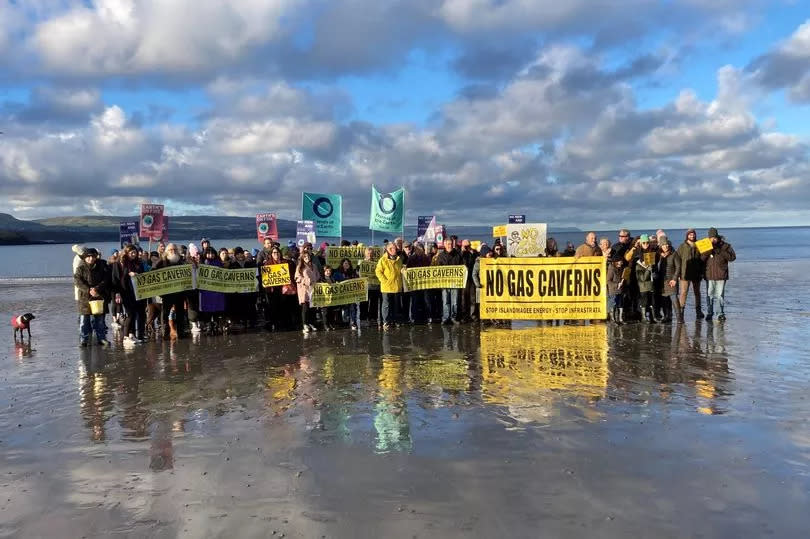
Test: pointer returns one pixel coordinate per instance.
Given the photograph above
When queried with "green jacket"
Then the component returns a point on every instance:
(691, 262)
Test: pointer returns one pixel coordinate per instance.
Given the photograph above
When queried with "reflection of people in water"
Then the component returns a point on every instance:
(95, 392)
(391, 411)
(161, 449)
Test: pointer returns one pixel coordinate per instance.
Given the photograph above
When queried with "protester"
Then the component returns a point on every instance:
(306, 275)
(645, 274)
(449, 257)
(92, 280)
(589, 248)
(604, 248)
(134, 310)
(468, 305)
(570, 250)
(615, 289)
(351, 312)
(691, 272)
(242, 307)
(374, 305)
(389, 273)
(716, 262)
(212, 304)
(328, 314)
(668, 268)
(173, 316)
(419, 298)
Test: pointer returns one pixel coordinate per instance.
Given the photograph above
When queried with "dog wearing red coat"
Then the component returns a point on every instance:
(22, 323)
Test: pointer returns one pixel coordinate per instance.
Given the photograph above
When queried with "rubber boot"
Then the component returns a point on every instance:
(680, 316)
(667, 314)
(172, 330)
(648, 317)
(620, 316)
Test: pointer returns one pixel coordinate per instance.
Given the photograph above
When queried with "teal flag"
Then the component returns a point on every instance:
(326, 211)
(387, 210)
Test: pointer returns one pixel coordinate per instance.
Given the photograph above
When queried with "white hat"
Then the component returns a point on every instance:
(77, 249)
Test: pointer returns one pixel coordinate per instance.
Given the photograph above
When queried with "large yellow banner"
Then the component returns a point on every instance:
(342, 293)
(160, 282)
(354, 253)
(434, 277)
(228, 281)
(543, 288)
(518, 365)
(366, 270)
(275, 275)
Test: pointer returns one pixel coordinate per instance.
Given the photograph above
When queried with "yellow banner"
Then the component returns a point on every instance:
(705, 245)
(227, 281)
(275, 275)
(434, 277)
(366, 270)
(499, 231)
(163, 281)
(342, 293)
(354, 253)
(519, 365)
(649, 259)
(543, 288)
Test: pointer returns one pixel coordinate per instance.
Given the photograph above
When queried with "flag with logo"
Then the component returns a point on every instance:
(151, 222)
(266, 226)
(387, 210)
(326, 211)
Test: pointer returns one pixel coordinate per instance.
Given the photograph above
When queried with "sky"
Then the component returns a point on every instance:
(588, 113)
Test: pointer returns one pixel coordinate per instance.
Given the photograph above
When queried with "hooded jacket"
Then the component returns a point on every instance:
(668, 268)
(389, 272)
(691, 262)
(87, 277)
(717, 260)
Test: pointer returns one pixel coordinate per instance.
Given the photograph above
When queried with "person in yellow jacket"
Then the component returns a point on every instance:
(389, 272)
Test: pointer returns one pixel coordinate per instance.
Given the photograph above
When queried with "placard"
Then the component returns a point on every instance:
(526, 240)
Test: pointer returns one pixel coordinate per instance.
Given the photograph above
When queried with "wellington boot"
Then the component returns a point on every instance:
(667, 314)
(172, 330)
(648, 316)
(620, 316)
(680, 316)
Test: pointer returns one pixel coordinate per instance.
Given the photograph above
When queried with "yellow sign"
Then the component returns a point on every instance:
(519, 365)
(354, 253)
(705, 245)
(434, 277)
(499, 231)
(228, 281)
(649, 259)
(544, 288)
(342, 293)
(275, 275)
(160, 282)
(476, 245)
(366, 270)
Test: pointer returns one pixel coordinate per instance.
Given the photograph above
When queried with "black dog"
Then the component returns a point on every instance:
(20, 323)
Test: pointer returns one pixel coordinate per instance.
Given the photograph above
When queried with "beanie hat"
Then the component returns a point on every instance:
(664, 241)
(77, 249)
(713, 233)
(644, 238)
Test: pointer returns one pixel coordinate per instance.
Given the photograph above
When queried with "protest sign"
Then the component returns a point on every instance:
(227, 281)
(705, 245)
(499, 231)
(434, 277)
(275, 275)
(475, 244)
(305, 233)
(543, 288)
(160, 282)
(326, 211)
(151, 222)
(526, 240)
(266, 226)
(649, 259)
(422, 224)
(517, 219)
(366, 269)
(335, 254)
(342, 293)
(516, 363)
(387, 210)
(128, 233)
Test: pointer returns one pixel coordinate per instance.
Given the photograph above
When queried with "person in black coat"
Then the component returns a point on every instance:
(127, 267)
(449, 257)
(92, 282)
(174, 302)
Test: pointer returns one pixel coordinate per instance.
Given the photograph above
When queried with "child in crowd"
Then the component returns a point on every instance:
(615, 287)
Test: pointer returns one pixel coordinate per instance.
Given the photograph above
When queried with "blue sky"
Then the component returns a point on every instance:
(235, 108)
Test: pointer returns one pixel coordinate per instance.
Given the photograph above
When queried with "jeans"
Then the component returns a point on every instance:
(390, 306)
(716, 291)
(90, 323)
(418, 306)
(352, 313)
(449, 302)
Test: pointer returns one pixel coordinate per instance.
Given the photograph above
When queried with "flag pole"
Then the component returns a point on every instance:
(403, 215)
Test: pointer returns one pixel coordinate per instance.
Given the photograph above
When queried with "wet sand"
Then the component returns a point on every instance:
(693, 430)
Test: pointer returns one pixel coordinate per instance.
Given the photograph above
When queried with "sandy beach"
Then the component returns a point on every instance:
(693, 430)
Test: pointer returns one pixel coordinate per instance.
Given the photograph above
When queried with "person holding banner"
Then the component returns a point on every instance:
(173, 312)
(374, 304)
(350, 312)
(389, 272)
(418, 301)
(134, 310)
(449, 257)
(279, 299)
(716, 262)
(306, 275)
(691, 272)
(242, 307)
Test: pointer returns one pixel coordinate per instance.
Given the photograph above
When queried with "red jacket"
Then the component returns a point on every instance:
(18, 323)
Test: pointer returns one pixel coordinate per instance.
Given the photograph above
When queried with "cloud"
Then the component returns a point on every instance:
(787, 66)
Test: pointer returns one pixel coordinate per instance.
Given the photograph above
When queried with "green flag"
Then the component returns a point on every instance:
(387, 210)
(326, 211)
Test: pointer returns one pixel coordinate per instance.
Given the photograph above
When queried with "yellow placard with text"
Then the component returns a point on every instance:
(430, 277)
(227, 281)
(335, 254)
(705, 245)
(499, 231)
(342, 293)
(160, 282)
(275, 275)
(476, 245)
(366, 270)
(649, 259)
(564, 288)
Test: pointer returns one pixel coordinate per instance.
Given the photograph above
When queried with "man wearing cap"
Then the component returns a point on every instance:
(716, 262)
(691, 273)
(92, 280)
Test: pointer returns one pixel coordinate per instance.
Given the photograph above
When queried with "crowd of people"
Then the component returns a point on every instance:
(647, 279)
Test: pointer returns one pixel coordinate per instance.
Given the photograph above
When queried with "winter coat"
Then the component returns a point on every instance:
(87, 277)
(587, 250)
(343, 275)
(667, 268)
(451, 258)
(717, 260)
(122, 282)
(212, 302)
(644, 276)
(691, 262)
(417, 261)
(389, 272)
(305, 279)
(614, 279)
